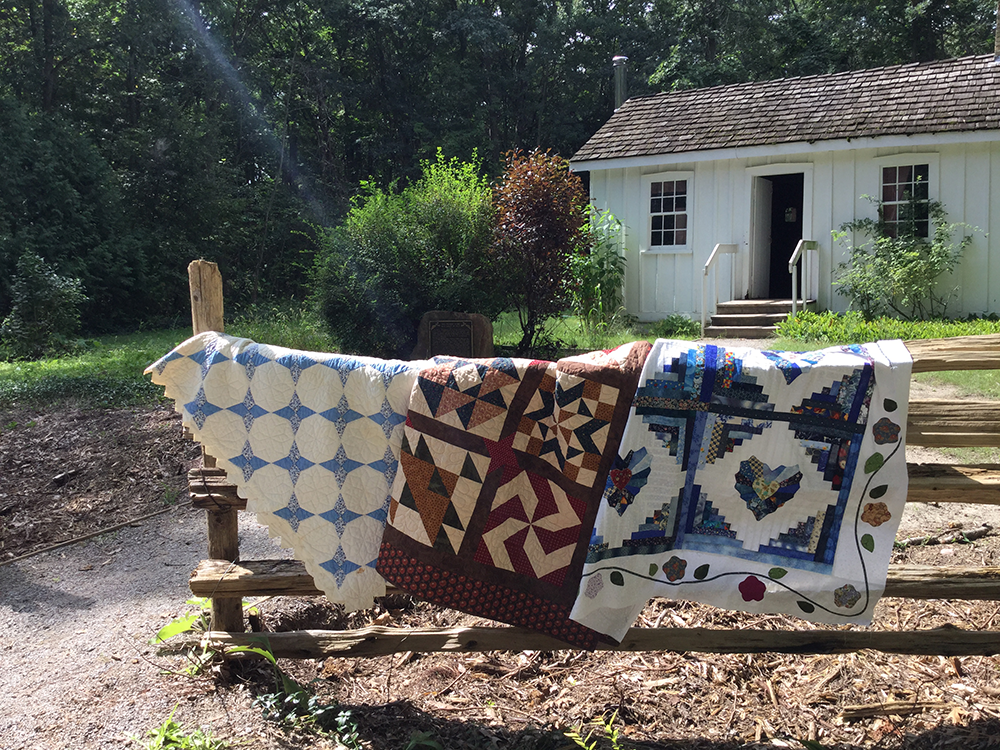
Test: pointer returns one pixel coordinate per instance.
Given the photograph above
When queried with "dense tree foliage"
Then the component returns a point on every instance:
(138, 134)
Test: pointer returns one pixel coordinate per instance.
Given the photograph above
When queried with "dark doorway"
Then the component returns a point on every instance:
(786, 231)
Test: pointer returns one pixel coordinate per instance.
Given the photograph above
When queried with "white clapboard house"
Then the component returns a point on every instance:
(748, 170)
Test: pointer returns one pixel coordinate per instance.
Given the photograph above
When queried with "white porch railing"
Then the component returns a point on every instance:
(805, 251)
(717, 251)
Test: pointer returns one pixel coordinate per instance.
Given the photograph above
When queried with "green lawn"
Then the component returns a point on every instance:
(109, 372)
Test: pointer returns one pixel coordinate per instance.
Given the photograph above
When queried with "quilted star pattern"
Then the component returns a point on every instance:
(502, 467)
(759, 466)
(312, 441)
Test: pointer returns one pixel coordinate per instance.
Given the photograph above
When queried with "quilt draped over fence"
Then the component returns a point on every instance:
(311, 440)
(504, 463)
(561, 496)
(753, 480)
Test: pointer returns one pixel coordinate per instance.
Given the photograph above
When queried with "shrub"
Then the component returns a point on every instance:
(598, 271)
(46, 310)
(897, 271)
(852, 328)
(401, 254)
(541, 214)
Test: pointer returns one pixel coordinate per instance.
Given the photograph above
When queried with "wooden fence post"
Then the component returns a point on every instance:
(205, 281)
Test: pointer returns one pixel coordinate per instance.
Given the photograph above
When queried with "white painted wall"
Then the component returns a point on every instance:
(656, 285)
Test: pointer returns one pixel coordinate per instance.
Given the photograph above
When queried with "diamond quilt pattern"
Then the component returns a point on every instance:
(312, 441)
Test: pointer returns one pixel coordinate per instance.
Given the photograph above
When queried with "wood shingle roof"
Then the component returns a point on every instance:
(936, 97)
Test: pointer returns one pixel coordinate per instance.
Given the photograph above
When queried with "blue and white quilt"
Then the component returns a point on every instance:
(757, 481)
(311, 440)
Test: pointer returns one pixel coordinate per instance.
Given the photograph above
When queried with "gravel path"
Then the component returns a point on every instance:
(77, 669)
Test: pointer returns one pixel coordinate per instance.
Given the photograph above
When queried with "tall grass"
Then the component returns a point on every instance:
(852, 328)
(294, 325)
(566, 332)
(108, 373)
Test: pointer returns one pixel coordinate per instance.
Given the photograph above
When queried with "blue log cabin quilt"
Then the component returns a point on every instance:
(757, 481)
(310, 439)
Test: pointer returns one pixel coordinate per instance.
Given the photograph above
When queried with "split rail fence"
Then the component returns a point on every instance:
(936, 423)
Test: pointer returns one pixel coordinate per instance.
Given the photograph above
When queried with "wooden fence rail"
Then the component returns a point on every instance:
(931, 423)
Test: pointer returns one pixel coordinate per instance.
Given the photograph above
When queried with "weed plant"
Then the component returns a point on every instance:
(599, 274)
(293, 707)
(172, 736)
(675, 327)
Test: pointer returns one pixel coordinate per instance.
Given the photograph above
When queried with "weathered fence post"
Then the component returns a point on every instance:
(223, 523)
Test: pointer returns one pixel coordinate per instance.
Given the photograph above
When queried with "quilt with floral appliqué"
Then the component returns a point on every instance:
(311, 440)
(502, 467)
(757, 481)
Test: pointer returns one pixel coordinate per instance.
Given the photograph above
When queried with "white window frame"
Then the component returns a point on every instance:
(909, 159)
(644, 241)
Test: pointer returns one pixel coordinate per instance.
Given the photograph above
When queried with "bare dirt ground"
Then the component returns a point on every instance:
(77, 669)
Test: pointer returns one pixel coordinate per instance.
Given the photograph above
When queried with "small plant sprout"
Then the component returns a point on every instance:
(171, 736)
(602, 725)
(170, 494)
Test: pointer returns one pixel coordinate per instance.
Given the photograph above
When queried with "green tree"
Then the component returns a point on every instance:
(541, 214)
(401, 254)
(60, 200)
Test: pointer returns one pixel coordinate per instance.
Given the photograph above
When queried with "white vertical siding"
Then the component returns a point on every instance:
(822, 212)
(846, 204)
(660, 284)
(952, 194)
(993, 225)
(973, 274)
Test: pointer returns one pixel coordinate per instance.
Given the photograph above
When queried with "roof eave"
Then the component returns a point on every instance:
(903, 141)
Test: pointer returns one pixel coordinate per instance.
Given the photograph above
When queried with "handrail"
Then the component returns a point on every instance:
(717, 250)
(797, 255)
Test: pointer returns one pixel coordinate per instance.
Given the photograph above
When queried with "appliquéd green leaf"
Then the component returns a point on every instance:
(874, 463)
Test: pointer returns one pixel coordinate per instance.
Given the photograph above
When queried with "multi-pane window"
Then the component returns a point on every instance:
(668, 211)
(905, 199)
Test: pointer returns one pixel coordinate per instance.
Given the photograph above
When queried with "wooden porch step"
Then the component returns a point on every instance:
(221, 578)
(760, 306)
(728, 320)
(739, 332)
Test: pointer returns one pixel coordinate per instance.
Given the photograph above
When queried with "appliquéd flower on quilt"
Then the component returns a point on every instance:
(752, 589)
(885, 431)
(628, 475)
(876, 514)
(674, 568)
